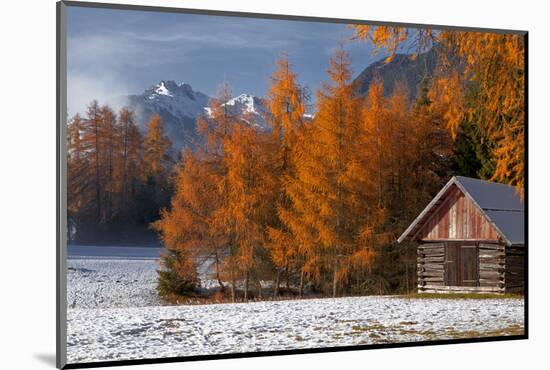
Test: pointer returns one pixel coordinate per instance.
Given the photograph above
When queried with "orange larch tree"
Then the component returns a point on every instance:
(286, 108)
(110, 141)
(130, 158)
(327, 191)
(250, 193)
(215, 130)
(157, 161)
(492, 63)
(185, 227)
(92, 134)
(78, 191)
(157, 171)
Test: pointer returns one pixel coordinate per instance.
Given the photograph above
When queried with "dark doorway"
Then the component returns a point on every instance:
(461, 265)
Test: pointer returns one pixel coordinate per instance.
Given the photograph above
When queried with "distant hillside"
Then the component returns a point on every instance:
(402, 68)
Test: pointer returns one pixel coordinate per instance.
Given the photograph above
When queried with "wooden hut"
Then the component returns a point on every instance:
(471, 239)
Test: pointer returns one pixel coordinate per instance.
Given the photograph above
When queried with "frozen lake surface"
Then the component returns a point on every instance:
(91, 251)
(115, 314)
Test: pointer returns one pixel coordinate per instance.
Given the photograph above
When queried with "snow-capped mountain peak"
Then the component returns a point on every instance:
(179, 106)
(249, 103)
(177, 98)
(161, 89)
(249, 107)
(172, 89)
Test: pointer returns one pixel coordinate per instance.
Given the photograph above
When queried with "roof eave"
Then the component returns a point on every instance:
(456, 181)
(500, 233)
(426, 209)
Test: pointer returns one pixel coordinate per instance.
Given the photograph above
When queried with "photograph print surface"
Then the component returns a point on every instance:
(244, 184)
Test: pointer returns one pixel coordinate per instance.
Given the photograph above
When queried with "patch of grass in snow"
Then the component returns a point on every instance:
(455, 334)
(407, 331)
(511, 330)
(508, 331)
(430, 333)
(363, 328)
(461, 296)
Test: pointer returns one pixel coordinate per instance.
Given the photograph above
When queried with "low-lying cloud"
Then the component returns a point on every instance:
(82, 89)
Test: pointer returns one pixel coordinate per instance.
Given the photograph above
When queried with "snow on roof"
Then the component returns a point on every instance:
(501, 204)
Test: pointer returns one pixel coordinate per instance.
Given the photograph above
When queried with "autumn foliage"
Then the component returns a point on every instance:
(481, 80)
(118, 176)
(316, 202)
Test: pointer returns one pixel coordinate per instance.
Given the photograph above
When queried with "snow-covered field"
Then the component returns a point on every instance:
(111, 282)
(152, 332)
(114, 314)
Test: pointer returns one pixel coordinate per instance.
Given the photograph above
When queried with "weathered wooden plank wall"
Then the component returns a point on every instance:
(459, 289)
(492, 265)
(515, 269)
(461, 251)
(430, 264)
(457, 218)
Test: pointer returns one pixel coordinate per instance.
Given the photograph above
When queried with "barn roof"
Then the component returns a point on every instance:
(499, 203)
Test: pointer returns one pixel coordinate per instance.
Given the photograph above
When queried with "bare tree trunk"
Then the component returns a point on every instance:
(246, 286)
(301, 289)
(287, 273)
(218, 277)
(124, 166)
(97, 174)
(381, 270)
(334, 281)
(276, 288)
(339, 167)
(110, 173)
(259, 289)
(233, 284)
(407, 269)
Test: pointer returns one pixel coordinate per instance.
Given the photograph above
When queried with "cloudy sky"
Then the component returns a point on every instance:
(119, 52)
